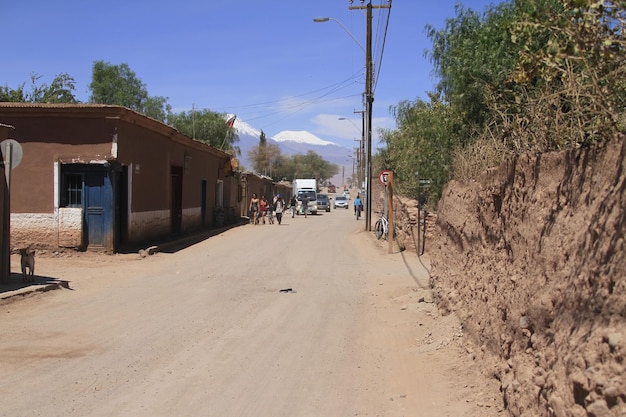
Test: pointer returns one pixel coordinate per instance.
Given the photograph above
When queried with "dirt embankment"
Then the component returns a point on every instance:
(531, 257)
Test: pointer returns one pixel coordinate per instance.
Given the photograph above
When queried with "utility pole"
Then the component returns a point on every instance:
(369, 100)
(361, 151)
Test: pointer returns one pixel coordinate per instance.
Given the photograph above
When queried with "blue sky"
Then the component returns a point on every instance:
(266, 61)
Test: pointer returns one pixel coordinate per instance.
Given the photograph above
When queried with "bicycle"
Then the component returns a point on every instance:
(381, 228)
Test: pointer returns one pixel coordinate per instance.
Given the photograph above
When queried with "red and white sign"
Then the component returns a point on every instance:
(384, 175)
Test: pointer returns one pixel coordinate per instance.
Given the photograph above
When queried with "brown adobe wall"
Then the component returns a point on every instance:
(531, 257)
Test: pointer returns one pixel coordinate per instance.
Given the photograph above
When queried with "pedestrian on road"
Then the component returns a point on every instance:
(263, 207)
(305, 204)
(254, 209)
(292, 205)
(358, 206)
(270, 210)
(279, 206)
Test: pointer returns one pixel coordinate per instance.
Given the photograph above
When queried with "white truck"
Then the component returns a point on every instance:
(306, 187)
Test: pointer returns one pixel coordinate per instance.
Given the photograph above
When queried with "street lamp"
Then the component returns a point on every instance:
(368, 95)
(353, 124)
(369, 100)
(326, 19)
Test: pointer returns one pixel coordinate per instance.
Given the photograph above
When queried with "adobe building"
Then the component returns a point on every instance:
(103, 177)
(252, 183)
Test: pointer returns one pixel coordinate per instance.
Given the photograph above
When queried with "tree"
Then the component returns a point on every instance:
(119, 85)
(421, 143)
(569, 87)
(61, 90)
(473, 55)
(17, 95)
(525, 75)
(311, 165)
(264, 156)
(208, 127)
(267, 159)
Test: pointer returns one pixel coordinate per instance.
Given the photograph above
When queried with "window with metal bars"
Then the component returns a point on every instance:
(72, 193)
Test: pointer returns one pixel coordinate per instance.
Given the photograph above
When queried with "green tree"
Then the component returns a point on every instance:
(119, 85)
(14, 95)
(526, 74)
(472, 56)
(61, 90)
(208, 127)
(312, 165)
(422, 144)
(283, 168)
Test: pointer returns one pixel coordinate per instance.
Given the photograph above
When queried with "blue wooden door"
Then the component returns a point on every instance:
(98, 206)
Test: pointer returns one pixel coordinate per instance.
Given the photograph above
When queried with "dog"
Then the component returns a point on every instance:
(28, 262)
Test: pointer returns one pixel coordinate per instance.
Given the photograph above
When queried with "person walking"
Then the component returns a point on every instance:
(263, 207)
(279, 206)
(271, 207)
(293, 202)
(305, 204)
(254, 209)
(358, 206)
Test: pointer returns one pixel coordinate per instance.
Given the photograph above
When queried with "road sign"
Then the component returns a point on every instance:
(384, 176)
(13, 150)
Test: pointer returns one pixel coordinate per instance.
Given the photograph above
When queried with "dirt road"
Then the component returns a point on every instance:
(206, 331)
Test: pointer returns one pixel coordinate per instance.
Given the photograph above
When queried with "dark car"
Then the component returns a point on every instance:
(323, 203)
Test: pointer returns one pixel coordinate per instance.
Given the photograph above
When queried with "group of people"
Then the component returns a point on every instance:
(262, 210)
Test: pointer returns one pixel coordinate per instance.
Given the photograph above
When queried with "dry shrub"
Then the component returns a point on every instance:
(486, 152)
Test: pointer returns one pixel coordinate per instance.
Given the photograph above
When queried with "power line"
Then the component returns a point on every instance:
(269, 108)
(382, 48)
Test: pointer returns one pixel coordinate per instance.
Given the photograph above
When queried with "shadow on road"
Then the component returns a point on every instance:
(40, 283)
(175, 243)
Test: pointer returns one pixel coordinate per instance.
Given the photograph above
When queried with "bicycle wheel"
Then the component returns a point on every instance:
(378, 229)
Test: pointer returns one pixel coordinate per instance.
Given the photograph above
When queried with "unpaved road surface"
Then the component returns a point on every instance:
(206, 331)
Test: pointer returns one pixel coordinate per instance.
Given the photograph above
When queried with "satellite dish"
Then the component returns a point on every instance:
(16, 152)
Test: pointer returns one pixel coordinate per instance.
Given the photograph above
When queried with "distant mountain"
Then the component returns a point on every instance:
(295, 142)
(301, 136)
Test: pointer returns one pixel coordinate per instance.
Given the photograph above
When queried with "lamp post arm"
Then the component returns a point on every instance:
(326, 19)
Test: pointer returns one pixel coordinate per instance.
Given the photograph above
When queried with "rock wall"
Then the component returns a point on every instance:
(408, 235)
(531, 257)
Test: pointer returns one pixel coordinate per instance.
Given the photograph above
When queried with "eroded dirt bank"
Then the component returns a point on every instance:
(531, 257)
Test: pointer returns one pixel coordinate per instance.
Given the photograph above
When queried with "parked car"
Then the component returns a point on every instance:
(323, 203)
(341, 202)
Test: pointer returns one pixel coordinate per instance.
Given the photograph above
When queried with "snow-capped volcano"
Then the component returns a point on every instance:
(290, 143)
(300, 137)
(244, 128)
